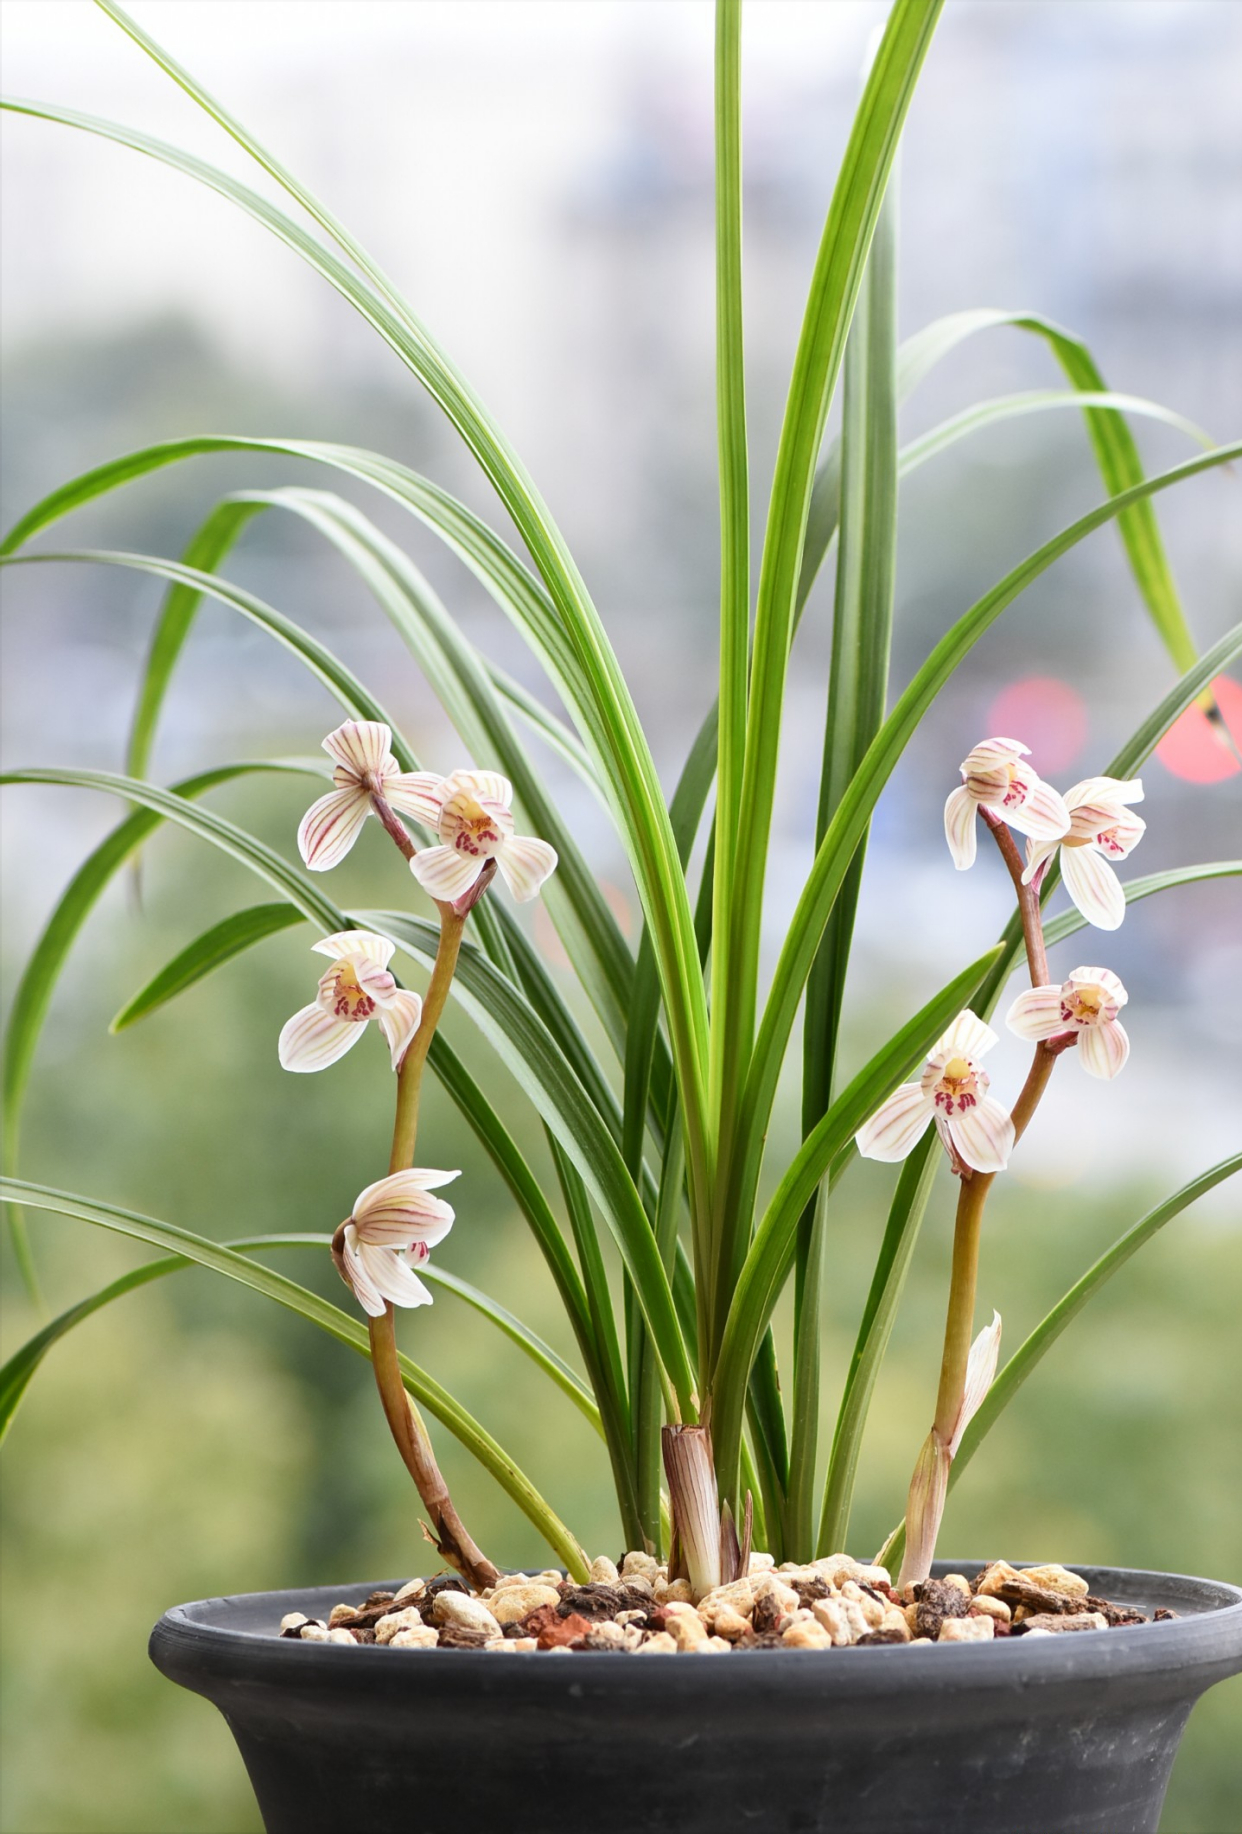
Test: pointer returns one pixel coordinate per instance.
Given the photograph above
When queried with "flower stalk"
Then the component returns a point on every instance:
(966, 1366)
(394, 1222)
(452, 1540)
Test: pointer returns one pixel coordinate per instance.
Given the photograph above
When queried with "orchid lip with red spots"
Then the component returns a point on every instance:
(470, 814)
(952, 1092)
(356, 989)
(1086, 1004)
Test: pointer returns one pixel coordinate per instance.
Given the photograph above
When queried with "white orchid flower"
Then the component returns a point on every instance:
(1101, 829)
(364, 766)
(952, 1091)
(994, 778)
(1088, 1003)
(393, 1229)
(469, 812)
(356, 988)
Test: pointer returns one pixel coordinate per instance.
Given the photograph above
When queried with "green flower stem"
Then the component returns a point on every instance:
(962, 1280)
(410, 1075)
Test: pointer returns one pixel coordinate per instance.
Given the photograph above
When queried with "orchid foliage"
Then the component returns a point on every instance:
(666, 1259)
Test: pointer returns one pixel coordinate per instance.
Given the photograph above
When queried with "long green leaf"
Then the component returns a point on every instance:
(1117, 456)
(734, 505)
(1056, 929)
(340, 682)
(208, 952)
(230, 839)
(328, 1317)
(529, 1342)
(1038, 401)
(849, 823)
(494, 565)
(1024, 1360)
(603, 702)
(834, 288)
(857, 695)
(203, 554)
(525, 1189)
(767, 1264)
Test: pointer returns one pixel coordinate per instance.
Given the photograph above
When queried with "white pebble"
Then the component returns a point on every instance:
(464, 1613)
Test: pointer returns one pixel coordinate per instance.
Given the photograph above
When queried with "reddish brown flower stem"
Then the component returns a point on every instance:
(447, 1531)
(393, 824)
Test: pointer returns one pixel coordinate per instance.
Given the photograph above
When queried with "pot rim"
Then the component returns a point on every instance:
(198, 1638)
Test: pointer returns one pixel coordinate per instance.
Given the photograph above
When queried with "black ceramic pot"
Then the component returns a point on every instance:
(1057, 1735)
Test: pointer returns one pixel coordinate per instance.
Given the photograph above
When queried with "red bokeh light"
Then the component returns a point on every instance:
(1045, 714)
(1193, 747)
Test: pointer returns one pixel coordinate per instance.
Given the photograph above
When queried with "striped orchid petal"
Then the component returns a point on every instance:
(364, 767)
(1102, 828)
(399, 1019)
(380, 1276)
(313, 1039)
(330, 827)
(395, 1224)
(399, 1211)
(524, 865)
(360, 746)
(897, 1126)
(981, 1133)
(1094, 887)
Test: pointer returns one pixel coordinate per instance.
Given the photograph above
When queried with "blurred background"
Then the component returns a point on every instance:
(537, 177)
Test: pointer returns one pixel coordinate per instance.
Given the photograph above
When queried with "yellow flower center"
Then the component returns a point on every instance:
(958, 1085)
(1083, 1005)
(343, 994)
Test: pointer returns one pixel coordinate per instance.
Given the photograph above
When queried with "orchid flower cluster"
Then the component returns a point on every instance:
(396, 1222)
(1091, 825)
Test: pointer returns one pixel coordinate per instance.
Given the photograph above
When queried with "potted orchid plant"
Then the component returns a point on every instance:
(732, 1531)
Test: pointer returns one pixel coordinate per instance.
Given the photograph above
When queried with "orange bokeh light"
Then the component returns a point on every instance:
(1194, 748)
(1044, 713)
